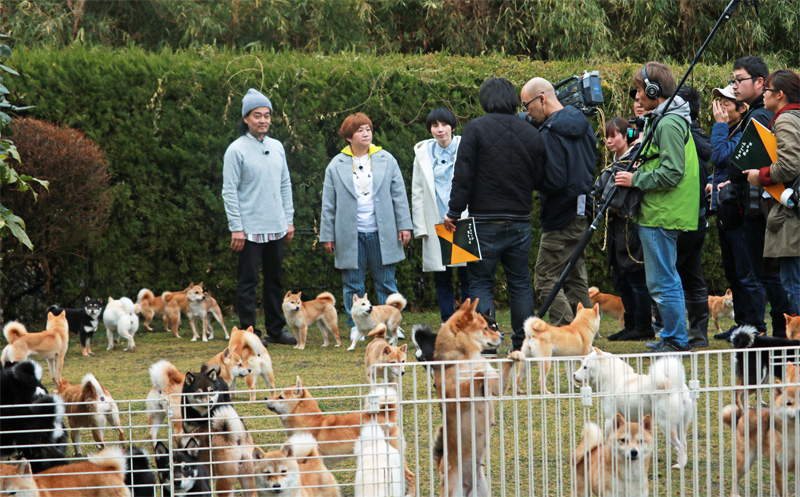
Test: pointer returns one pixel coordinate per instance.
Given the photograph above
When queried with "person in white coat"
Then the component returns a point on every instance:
(434, 162)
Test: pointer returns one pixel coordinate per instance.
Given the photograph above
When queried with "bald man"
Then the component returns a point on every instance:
(563, 190)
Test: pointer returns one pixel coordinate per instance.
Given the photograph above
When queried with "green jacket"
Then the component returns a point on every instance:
(670, 178)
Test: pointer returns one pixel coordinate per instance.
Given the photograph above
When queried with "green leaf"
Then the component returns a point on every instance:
(13, 223)
(9, 70)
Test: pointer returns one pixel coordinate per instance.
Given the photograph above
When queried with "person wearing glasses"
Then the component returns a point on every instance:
(498, 165)
(782, 237)
(365, 221)
(564, 209)
(749, 75)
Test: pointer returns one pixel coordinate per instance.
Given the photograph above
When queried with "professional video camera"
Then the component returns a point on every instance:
(584, 92)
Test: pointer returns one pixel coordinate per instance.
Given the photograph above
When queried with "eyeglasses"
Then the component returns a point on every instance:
(737, 82)
(772, 89)
(526, 104)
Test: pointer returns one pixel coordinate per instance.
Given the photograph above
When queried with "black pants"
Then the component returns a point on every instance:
(690, 264)
(270, 256)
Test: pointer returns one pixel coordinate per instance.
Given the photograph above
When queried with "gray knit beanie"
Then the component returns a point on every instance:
(253, 100)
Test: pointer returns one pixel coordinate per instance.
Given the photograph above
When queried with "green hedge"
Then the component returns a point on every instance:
(165, 119)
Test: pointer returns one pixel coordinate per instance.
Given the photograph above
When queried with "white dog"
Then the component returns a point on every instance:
(120, 317)
(379, 467)
(662, 392)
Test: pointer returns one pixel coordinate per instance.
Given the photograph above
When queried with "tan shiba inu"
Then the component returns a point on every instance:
(51, 344)
(545, 340)
(619, 467)
(335, 433)
(167, 384)
(297, 470)
(321, 310)
(229, 366)
(151, 307)
(720, 307)
(101, 476)
(462, 338)
(89, 405)
(380, 352)
(609, 304)
(254, 356)
(192, 303)
(792, 327)
(367, 316)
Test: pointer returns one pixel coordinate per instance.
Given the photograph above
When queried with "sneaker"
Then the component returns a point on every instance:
(615, 336)
(400, 334)
(669, 346)
(632, 335)
(285, 338)
(726, 335)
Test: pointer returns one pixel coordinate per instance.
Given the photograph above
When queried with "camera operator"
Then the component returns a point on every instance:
(568, 176)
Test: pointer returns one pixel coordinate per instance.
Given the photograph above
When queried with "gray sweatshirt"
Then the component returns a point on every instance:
(256, 188)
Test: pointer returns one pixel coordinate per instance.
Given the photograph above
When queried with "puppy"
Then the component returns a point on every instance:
(254, 356)
(544, 340)
(150, 307)
(379, 467)
(189, 475)
(101, 476)
(167, 384)
(720, 307)
(229, 366)
(336, 433)
(792, 327)
(296, 470)
(213, 310)
(51, 344)
(321, 310)
(618, 468)
(83, 322)
(380, 352)
(202, 394)
(229, 454)
(367, 316)
(120, 317)
(89, 405)
(662, 392)
(609, 304)
(458, 450)
(31, 421)
(753, 367)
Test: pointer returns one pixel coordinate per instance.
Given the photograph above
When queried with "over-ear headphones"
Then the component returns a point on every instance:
(652, 90)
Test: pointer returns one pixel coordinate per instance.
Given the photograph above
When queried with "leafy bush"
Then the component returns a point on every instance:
(165, 119)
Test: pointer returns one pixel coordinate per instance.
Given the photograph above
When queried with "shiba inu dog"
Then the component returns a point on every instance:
(792, 327)
(462, 338)
(31, 421)
(424, 338)
(321, 310)
(191, 302)
(229, 454)
(101, 476)
(753, 366)
(619, 467)
(189, 475)
(120, 317)
(83, 321)
(335, 433)
(229, 366)
(254, 356)
(380, 352)
(610, 305)
(213, 310)
(139, 477)
(720, 307)
(662, 393)
(379, 467)
(296, 470)
(150, 307)
(544, 340)
(367, 316)
(50, 344)
(202, 394)
(167, 384)
(89, 405)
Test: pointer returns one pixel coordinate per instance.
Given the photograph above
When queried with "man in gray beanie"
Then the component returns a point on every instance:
(257, 193)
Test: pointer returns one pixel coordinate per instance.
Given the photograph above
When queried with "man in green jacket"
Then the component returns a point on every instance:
(669, 176)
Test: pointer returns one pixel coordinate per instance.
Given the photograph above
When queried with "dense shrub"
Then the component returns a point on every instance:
(67, 221)
(164, 120)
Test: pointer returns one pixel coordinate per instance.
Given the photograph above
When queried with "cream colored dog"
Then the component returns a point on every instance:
(367, 316)
(380, 352)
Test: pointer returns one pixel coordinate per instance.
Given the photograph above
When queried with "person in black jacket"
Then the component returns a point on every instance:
(564, 188)
(499, 162)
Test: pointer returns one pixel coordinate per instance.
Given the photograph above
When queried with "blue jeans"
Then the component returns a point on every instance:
(445, 294)
(660, 255)
(369, 254)
(509, 243)
(790, 277)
